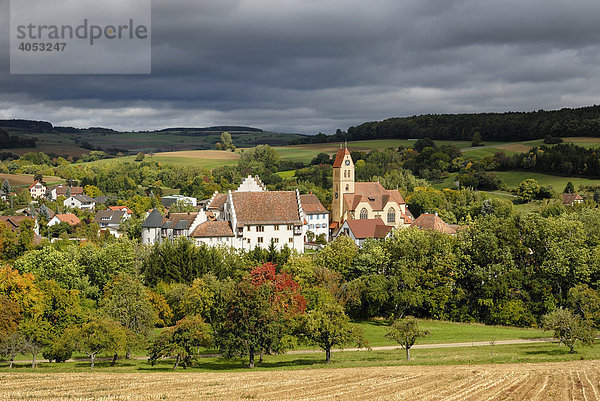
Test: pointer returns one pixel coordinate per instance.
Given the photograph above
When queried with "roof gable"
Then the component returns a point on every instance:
(266, 207)
(339, 158)
(368, 228)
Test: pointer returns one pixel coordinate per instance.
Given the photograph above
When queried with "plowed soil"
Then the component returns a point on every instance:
(544, 381)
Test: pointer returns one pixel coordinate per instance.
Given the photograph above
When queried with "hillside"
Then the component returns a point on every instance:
(75, 141)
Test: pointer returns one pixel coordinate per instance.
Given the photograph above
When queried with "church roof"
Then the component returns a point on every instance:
(154, 220)
(339, 158)
(374, 193)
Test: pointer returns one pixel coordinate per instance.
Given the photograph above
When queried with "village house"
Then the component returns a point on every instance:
(168, 201)
(111, 218)
(37, 190)
(316, 215)
(63, 190)
(571, 199)
(68, 218)
(14, 223)
(364, 200)
(83, 202)
(128, 211)
(429, 221)
(360, 230)
(156, 228)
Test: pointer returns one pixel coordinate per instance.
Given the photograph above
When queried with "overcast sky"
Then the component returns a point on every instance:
(316, 65)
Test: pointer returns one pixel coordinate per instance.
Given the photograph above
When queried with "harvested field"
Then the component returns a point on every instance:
(543, 381)
(515, 147)
(582, 139)
(202, 154)
(26, 179)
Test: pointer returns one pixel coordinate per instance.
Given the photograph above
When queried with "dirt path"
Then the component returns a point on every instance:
(379, 348)
(577, 380)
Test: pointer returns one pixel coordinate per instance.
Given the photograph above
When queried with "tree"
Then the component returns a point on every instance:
(476, 139)
(528, 190)
(570, 188)
(423, 143)
(181, 342)
(96, 336)
(585, 302)
(12, 346)
(126, 301)
(338, 255)
(406, 332)
(6, 188)
(37, 334)
(568, 328)
(329, 327)
(92, 190)
(226, 141)
(140, 157)
(10, 316)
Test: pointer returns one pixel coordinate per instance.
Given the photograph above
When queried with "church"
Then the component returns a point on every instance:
(364, 200)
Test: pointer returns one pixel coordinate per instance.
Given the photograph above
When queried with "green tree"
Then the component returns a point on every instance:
(37, 334)
(329, 327)
(140, 157)
(181, 342)
(528, 190)
(126, 301)
(476, 139)
(6, 188)
(226, 141)
(96, 336)
(568, 328)
(406, 332)
(338, 255)
(585, 302)
(570, 188)
(12, 346)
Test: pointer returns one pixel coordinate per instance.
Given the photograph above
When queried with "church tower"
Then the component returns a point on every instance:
(343, 182)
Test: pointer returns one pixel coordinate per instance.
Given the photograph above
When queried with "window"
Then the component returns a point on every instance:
(290, 240)
(260, 240)
(347, 187)
(364, 214)
(260, 229)
(276, 240)
(290, 227)
(391, 215)
(345, 173)
(276, 227)
(310, 217)
(311, 226)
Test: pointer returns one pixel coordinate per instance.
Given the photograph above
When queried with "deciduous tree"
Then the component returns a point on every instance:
(406, 332)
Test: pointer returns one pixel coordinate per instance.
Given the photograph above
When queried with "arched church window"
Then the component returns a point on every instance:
(391, 216)
(364, 214)
(347, 187)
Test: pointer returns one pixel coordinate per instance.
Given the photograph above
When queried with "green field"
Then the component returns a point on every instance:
(450, 332)
(558, 183)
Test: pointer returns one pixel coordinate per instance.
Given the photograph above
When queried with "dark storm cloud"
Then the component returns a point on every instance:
(309, 66)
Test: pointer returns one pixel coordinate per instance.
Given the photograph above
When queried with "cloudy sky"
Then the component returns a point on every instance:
(317, 65)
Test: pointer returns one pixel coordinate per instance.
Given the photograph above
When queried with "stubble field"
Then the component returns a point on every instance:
(578, 380)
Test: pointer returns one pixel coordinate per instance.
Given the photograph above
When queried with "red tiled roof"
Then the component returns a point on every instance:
(339, 158)
(32, 185)
(568, 199)
(68, 218)
(428, 221)
(218, 202)
(61, 190)
(210, 229)
(311, 204)
(369, 228)
(266, 207)
(118, 208)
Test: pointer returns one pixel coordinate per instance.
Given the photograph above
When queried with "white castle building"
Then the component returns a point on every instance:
(246, 218)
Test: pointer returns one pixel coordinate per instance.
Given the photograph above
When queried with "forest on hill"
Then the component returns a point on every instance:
(499, 127)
